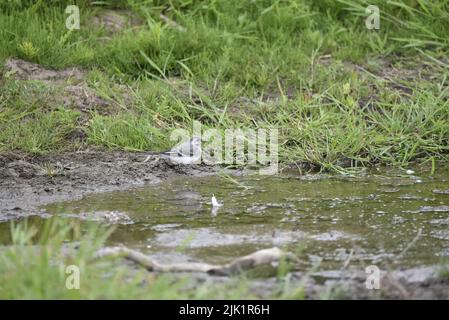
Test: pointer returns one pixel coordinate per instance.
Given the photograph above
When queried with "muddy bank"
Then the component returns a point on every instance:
(425, 282)
(422, 283)
(28, 182)
(261, 282)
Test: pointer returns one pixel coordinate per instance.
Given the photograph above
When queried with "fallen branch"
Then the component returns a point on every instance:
(270, 256)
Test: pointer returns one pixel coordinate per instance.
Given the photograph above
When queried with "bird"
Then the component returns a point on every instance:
(186, 152)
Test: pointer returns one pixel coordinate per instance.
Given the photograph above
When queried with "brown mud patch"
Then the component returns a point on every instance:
(69, 86)
(24, 70)
(397, 75)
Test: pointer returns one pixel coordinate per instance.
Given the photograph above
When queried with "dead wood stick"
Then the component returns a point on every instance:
(258, 258)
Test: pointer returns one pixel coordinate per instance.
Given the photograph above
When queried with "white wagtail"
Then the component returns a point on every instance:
(187, 152)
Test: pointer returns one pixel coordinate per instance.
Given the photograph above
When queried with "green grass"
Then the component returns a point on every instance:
(34, 266)
(339, 94)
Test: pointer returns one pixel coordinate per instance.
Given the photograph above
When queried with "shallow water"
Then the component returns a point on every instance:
(326, 220)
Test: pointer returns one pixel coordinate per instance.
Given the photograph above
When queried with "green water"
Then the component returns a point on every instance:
(320, 218)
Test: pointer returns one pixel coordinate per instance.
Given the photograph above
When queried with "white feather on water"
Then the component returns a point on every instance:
(215, 202)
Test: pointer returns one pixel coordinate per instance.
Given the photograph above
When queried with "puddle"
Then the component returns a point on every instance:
(323, 219)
